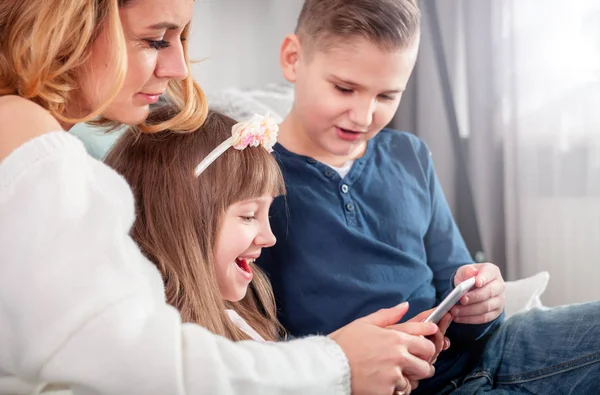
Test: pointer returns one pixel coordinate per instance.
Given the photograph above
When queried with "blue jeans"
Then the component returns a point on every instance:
(555, 351)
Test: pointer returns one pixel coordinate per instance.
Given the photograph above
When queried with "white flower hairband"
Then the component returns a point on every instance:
(260, 130)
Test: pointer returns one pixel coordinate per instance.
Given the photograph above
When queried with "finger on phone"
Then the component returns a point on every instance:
(422, 316)
(465, 272)
(478, 308)
(438, 342)
(417, 368)
(446, 343)
(421, 347)
(445, 323)
(416, 328)
(482, 294)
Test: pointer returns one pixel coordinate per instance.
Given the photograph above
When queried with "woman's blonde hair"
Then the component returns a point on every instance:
(44, 44)
(178, 216)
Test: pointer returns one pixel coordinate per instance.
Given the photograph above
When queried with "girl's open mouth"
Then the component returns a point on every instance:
(244, 264)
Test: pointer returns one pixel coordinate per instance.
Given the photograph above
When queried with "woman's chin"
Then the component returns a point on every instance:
(128, 115)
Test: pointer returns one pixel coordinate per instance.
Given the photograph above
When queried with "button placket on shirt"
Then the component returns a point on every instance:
(348, 203)
(349, 206)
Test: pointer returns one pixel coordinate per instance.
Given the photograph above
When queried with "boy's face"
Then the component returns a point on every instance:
(344, 95)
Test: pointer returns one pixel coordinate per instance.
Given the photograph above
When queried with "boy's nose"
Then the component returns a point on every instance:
(362, 114)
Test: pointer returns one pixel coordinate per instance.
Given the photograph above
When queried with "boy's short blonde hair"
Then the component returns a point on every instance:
(390, 24)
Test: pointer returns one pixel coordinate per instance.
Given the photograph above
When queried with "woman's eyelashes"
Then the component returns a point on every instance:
(158, 44)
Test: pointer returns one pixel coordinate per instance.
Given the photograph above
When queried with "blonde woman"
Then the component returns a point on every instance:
(80, 306)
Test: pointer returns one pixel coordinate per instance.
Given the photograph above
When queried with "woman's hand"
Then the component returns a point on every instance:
(381, 356)
(439, 340)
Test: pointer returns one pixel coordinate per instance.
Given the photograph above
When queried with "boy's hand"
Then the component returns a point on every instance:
(484, 303)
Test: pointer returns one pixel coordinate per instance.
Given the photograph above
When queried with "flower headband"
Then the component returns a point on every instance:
(257, 131)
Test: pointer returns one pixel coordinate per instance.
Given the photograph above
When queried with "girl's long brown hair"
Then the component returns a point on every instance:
(178, 215)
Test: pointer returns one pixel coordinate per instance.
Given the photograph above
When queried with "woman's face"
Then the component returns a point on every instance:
(155, 56)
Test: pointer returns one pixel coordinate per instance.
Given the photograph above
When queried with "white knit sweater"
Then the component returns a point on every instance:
(80, 305)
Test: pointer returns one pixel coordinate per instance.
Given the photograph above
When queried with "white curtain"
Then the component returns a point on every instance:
(549, 115)
(525, 77)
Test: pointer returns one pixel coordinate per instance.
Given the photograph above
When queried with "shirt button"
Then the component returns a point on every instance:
(344, 188)
(311, 161)
(350, 207)
(329, 173)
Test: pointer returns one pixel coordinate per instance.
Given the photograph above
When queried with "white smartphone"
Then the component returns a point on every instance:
(451, 300)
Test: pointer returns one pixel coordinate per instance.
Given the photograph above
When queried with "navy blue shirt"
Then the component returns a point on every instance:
(347, 247)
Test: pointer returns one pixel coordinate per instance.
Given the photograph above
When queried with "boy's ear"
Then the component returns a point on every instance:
(289, 56)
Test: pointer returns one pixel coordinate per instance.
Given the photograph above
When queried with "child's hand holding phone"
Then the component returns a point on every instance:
(485, 302)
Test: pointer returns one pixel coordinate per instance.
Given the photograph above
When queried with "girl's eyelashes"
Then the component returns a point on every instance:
(248, 218)
(158, 44)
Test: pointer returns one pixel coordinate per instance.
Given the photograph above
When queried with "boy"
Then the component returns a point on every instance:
(365, 223)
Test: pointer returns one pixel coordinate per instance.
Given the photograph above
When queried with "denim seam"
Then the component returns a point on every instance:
(549, 371)
(479, 374)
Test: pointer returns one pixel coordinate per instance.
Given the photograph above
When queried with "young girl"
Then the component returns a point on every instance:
(204, 233)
